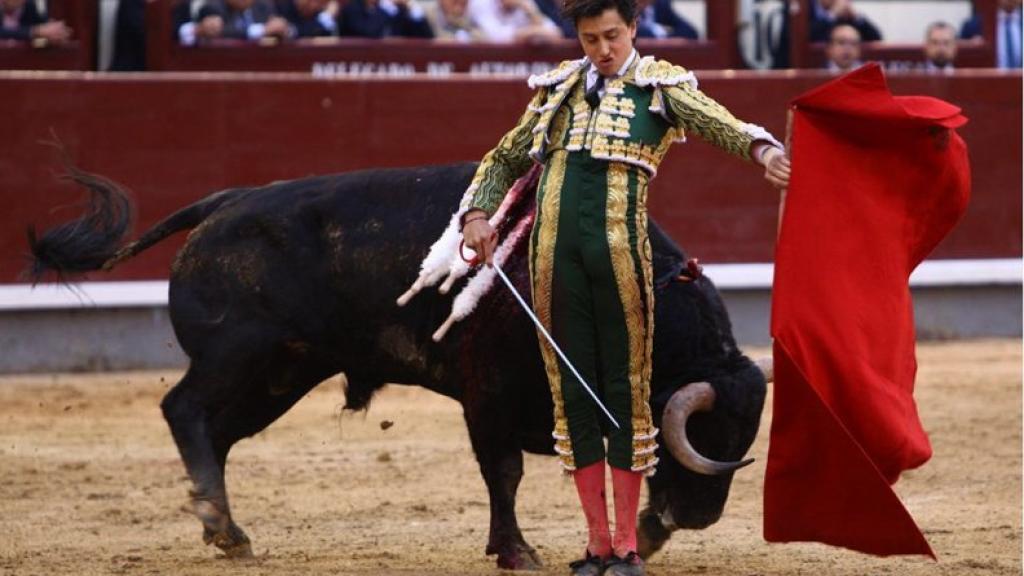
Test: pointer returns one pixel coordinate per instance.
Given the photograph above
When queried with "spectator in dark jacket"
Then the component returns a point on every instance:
(237, 19)
(182, 16)
(1009, 37)
(657, 19)
(382, 18)
(827, 14)
(130, 37)
(22, 21)
(310, 18)
(553, 10)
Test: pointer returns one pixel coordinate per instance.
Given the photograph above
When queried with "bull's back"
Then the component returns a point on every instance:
(321, 259)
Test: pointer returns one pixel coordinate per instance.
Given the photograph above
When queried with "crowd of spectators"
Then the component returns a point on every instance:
(501, 21)
(843, 48)
(844, 30)
(838, 24)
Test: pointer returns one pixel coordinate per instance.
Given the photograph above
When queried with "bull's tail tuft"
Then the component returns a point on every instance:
(95, 239)
(87, 242)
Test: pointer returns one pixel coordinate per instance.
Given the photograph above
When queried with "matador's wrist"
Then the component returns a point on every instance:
(765, 154)
(471, 215)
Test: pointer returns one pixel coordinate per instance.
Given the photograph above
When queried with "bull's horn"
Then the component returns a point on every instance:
(699, 396)
(766, 365)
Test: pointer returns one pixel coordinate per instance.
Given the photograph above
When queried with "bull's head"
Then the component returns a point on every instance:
(706, 395)
(689, 489)
(698, 397)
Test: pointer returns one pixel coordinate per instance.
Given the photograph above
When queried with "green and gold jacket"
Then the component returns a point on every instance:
(642, 112)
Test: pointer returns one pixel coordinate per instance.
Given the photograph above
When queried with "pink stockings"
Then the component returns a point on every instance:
(627, 499)
(590, 487)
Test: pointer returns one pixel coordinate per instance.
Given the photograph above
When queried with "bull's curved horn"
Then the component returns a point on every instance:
(698, 396)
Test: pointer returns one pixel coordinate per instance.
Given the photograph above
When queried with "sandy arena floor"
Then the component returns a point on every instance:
(92, 484)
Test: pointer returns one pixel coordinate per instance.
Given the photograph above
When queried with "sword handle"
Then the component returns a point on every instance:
(474, 261)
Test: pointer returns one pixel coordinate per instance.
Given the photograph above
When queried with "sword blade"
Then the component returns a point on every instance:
(529, 312)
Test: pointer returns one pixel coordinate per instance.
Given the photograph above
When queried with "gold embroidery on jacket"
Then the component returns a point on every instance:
(506, 162)
(544, 252)
(633, 308)
(643, 439)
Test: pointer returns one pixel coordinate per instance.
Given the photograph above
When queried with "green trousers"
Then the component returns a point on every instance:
(590, 267)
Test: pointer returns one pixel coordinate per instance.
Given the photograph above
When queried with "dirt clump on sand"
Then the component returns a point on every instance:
(92, 484)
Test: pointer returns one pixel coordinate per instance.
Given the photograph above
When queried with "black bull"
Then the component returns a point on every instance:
(280, 287)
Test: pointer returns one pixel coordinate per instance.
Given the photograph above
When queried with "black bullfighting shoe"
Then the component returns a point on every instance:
(630, 565)
(590, 566)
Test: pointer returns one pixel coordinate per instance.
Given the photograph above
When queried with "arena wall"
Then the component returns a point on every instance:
(174, 138)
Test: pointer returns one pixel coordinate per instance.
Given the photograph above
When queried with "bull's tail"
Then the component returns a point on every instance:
(95, 239)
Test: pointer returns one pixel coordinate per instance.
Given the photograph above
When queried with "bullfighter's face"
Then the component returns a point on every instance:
(607, 40)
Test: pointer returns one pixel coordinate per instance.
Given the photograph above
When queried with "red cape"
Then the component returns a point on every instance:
(877, 182)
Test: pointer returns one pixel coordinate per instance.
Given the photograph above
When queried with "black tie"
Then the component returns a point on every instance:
(592, 96)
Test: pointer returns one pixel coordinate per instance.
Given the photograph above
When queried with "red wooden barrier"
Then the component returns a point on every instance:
(173, 138)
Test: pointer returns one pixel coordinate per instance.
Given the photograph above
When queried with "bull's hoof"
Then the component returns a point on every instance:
(232, 542)
(236, 551)
(520, 557)
(651, 534)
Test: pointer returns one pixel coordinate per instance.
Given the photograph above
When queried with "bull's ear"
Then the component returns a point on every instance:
(667, 269)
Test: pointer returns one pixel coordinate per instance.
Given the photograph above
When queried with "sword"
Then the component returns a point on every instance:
(529, 312)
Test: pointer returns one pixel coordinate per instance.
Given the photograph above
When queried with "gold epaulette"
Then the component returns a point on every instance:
(651, 72)
(557, 74)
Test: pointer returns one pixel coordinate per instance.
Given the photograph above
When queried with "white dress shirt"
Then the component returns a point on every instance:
(498, 25)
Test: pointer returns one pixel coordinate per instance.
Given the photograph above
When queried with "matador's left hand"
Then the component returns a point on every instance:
(776, 168)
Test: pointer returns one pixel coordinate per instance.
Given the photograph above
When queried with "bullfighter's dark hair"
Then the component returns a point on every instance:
(573, 10)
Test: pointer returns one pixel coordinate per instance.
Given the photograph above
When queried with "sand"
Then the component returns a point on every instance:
(92, 484)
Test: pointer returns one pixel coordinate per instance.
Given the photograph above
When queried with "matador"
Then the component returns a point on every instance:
(600, 126)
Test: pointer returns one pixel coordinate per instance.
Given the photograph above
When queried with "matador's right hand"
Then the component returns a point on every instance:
(480, 236)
